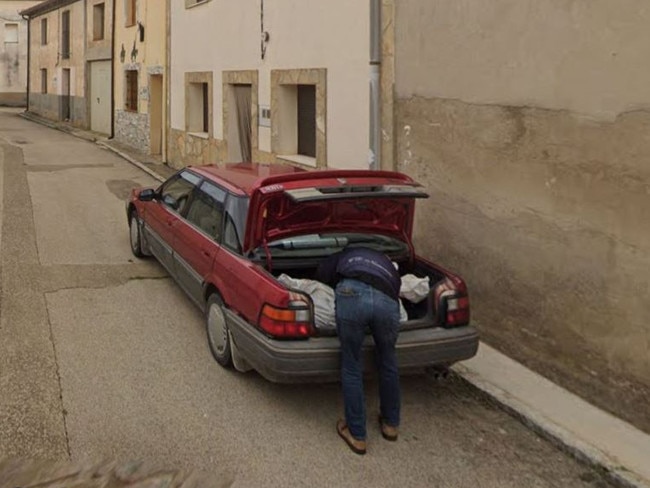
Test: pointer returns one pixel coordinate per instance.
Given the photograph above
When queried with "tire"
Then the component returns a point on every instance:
(134, 236)
(217, 331)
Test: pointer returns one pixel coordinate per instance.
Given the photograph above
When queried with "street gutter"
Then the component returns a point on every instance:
(131, 160)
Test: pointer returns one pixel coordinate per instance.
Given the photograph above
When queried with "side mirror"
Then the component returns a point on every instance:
(171, 202)
(147, 195)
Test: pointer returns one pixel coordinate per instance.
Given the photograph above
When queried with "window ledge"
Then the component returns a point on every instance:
(299, 158)
(200, 135)
(192, 5)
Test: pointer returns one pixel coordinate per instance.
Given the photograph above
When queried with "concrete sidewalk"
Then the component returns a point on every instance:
(587, 433)
(593, 436)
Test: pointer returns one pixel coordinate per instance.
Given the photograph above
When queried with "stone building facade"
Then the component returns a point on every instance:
(70, 62)
(139, 63)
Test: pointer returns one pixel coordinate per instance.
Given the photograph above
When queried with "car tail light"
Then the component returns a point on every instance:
(292, 322)
(457, 310)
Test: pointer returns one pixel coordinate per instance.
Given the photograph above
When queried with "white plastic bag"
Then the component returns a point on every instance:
(322, 296)
(414, 289)
(403, 316)
(324, 300)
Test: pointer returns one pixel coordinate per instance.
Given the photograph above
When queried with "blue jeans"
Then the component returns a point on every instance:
(360, 306)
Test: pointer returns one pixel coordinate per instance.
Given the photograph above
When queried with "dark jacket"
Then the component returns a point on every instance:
(367, 265)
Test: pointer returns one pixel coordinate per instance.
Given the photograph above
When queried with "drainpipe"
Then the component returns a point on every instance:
(375, 87)
(167, 83)
(86, 67)
(29, 50)
(113, 61)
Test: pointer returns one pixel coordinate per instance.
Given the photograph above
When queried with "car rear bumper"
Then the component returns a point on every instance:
(317, 359)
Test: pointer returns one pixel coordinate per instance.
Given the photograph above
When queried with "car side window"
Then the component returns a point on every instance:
(206, 210)
(176, 192)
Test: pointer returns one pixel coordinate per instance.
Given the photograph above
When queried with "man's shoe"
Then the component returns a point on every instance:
(358, 446)
(388, 432)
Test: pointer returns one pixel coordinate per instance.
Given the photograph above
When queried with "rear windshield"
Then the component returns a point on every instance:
(322, 245)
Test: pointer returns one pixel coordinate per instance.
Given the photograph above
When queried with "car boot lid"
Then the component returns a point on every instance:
(377, 202)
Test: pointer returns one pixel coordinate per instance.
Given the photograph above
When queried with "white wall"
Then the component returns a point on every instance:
(13, 56)
(218, 36)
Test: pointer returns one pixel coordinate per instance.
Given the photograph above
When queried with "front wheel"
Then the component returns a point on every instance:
(217, 329)
(135, 236)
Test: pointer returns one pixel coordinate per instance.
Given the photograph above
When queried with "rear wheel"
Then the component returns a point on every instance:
(135, 236)
(217, 329)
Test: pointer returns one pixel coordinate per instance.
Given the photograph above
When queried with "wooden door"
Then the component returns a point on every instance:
(100, 96)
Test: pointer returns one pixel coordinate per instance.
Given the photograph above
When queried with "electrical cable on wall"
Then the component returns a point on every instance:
(264, 37)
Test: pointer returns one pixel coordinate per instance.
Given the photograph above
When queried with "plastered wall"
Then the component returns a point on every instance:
(147, 55)
(47, 56)
(529, 122)
(13, 56)
(303, 34)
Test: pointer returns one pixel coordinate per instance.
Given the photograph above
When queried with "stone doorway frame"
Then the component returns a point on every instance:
(240, 77)
(308, 76)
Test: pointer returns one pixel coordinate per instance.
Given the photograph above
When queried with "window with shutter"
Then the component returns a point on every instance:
(98, 22)
(11, 33)
(206, 108)
(300, 100)
(65, 35)
(307, 120)
(43, 31)
(198, 103)
(129, 11)
(131, 103)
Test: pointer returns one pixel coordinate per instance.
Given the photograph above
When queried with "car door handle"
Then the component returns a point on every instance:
(170, 223)
(206, 253)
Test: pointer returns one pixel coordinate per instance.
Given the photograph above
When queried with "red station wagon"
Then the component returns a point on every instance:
(226, 233)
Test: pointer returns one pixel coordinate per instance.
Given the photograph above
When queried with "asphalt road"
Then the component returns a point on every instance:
(103, 357)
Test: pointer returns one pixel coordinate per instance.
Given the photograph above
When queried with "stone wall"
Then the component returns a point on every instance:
(186, 149)
(133, 129)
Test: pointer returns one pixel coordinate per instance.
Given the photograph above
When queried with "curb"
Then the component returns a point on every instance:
(102, 142)
(557, 435)
(131, 160)
(79, 133)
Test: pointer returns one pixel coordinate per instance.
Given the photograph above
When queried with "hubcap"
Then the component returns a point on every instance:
(217, 330)
(134, 233)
